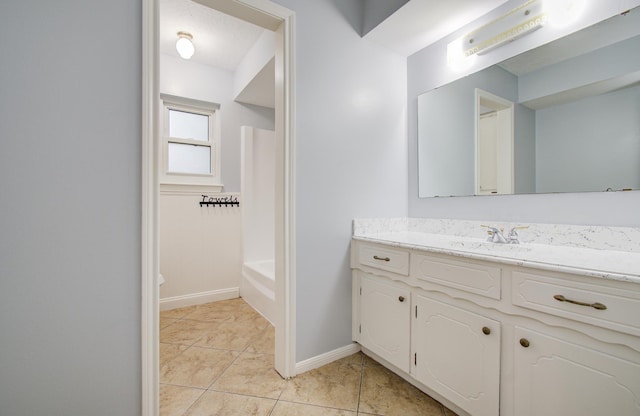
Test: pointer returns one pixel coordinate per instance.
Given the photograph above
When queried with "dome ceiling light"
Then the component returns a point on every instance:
(184, 45)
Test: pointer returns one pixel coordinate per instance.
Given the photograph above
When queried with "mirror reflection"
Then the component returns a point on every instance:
(564, 117)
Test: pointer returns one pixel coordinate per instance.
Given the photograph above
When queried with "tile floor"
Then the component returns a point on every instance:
(217, 359)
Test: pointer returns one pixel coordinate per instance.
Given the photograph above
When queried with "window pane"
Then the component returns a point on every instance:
(183, 125)
(188, 158)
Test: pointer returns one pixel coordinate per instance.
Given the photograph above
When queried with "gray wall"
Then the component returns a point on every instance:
(70, 127)
(446, 128)
(524, 151)
(70, 264)
(70, 166)
(592, 144)
(376, 11)
(602, 64)
(351, 160)
(427, 70)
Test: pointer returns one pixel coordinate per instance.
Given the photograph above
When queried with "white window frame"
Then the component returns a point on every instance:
(212, 110)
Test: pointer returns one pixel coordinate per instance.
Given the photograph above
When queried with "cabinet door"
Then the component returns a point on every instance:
(385, 319)
(557, 377)
(457, 354)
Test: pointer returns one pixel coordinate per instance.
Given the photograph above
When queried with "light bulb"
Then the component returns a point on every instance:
(562, 13)
(184, 46)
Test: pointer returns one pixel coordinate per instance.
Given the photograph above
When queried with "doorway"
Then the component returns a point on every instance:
(270, 16)
(494, 122)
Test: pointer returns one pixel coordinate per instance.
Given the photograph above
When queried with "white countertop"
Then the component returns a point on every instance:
(597, 262)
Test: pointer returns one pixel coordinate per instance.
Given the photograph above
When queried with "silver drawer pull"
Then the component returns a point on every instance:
(596, 305)
(382, 258)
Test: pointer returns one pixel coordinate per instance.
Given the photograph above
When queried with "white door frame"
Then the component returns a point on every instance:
(505, 111)
(274, 17)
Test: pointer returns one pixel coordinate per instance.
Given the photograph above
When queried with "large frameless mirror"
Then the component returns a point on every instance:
(575, 115)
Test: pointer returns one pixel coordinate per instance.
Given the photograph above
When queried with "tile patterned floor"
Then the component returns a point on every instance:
(217, 359)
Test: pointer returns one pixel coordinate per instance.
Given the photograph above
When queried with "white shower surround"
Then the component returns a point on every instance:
(257, 285)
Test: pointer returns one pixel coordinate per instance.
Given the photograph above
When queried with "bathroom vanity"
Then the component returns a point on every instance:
(550, 326)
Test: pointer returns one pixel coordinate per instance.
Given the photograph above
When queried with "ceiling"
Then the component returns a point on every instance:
(599, 35)
(220, 40)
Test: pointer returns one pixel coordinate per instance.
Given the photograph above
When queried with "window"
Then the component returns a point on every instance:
(190, 139)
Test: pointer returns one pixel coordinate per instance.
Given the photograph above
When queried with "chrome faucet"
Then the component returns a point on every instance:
(512, 238)
(496, 235)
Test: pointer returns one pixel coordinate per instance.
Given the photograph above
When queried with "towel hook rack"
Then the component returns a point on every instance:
(219, 201)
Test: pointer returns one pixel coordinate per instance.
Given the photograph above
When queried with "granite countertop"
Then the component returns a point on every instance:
(581, 250)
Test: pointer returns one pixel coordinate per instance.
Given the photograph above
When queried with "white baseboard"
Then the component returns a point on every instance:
(326, 358)
(198, 298)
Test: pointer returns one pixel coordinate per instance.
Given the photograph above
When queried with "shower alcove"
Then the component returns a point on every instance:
(258, 220)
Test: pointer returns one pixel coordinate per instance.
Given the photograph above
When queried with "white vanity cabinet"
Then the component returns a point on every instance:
(554, 376)
(557, 374)
(493, 338)
(383, 305)
(457, 354)
(453, 351)
(385, 319)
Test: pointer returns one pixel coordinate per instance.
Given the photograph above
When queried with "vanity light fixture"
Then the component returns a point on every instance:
(184, 45)
(525, 19)
(518, 22)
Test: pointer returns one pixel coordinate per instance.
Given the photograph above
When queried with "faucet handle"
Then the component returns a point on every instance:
(495, 234)
(513, 234)
(519, 227)
(492, 229)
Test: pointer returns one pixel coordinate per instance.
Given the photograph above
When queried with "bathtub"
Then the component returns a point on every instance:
(258, 287)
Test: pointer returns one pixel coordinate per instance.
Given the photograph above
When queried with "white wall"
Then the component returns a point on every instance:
(350, 160)
(70, 128)
(201, 82)
(253, 62)
(427, 70)
(200, 249)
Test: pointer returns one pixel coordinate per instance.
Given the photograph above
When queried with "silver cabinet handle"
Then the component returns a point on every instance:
(595, 305)
(381, 258)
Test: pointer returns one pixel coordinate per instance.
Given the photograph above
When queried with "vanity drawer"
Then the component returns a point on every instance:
(480, 279)
(396, 261)
(597, 305)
